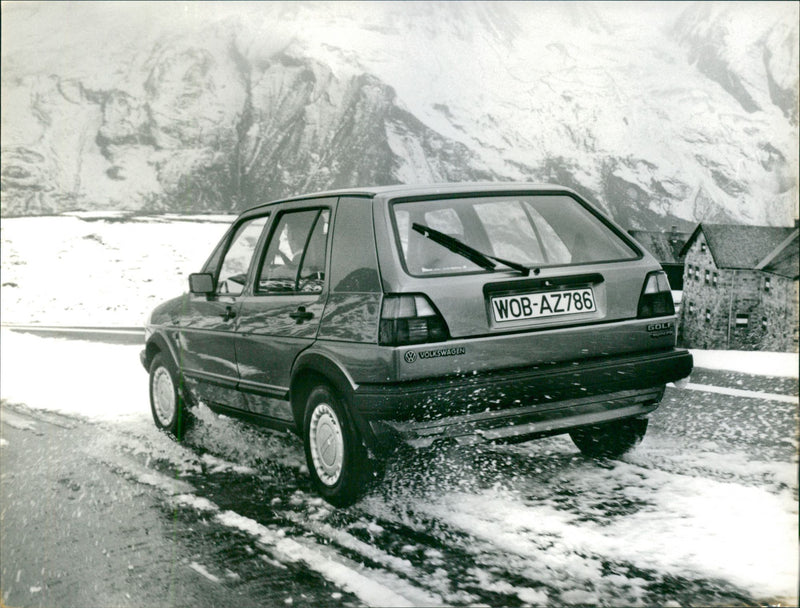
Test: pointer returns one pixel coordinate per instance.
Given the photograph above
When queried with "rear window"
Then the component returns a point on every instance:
(534, 230)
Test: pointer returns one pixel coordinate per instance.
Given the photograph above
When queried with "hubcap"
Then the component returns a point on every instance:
(326, 443)
(164, 396)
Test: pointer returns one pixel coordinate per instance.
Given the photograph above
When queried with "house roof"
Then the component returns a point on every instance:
(737, 246)
(785, 259)
(664, 246)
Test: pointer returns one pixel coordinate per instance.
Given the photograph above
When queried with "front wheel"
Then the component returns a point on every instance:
(166, 401)
(337, 461)
(611, 439)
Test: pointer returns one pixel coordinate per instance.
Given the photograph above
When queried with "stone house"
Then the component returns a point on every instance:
(740, 288)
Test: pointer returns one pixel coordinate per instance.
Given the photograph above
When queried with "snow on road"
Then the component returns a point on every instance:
(535, 522)
(737, 392)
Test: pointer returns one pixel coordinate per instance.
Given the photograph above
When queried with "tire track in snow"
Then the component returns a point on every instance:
(373, 587)
(542, 555)
(460, 562)
(427, 586)
(548, 565)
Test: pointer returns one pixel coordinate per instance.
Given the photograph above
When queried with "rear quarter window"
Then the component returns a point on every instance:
(354, 265)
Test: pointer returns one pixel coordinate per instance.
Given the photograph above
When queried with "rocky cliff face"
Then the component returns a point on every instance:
(681, 118)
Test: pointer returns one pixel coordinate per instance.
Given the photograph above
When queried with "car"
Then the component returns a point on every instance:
(369, 318)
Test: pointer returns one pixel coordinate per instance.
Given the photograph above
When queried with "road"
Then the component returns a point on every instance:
(102, 512)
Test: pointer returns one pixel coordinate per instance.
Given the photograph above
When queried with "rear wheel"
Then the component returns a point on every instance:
(166, 401)
(611, 439)
(337, 461)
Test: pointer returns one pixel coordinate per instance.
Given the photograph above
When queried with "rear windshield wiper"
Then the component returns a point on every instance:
(484, 260)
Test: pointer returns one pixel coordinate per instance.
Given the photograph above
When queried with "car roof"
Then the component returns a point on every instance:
(422, 190)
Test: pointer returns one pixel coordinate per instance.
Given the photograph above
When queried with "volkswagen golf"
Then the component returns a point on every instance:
(361, 319)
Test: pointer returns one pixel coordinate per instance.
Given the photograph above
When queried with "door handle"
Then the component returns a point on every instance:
(301, 314)
(228, 314)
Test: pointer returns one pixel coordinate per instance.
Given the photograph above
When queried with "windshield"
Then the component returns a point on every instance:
(534, 230)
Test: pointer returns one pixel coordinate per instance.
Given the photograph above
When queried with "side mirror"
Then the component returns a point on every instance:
(201, 283)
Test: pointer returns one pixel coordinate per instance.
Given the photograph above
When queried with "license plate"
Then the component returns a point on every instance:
(547, 304)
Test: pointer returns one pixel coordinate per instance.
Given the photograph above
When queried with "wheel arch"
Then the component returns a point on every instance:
(156, 344)
(160, 343)
(312, 369)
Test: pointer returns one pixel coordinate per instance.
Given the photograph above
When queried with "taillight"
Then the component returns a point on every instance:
(656, 298)
(410, 319)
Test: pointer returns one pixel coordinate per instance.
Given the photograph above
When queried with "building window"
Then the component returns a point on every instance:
(742, 320)
(708, 276)
(691, 307)
(716, 279)
(708, 315)
(702, 247)
(767, 284)
(764, 323)
(690, 271)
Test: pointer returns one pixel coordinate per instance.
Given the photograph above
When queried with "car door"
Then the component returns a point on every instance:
(282, 315)
(207, 324)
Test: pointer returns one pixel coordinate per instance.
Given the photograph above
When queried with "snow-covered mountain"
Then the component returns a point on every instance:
(662, 113)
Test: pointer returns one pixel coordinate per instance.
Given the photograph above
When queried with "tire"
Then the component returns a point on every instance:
(336, 457)
(611, 439)
(166, 398)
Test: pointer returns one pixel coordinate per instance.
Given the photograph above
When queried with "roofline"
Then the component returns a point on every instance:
(687, 246)
(422, 190)
(690, 241)
(777, 250)
(685, 249)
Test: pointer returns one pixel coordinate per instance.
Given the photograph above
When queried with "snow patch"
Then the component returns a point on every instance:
(218, 465)
(203, 571)
(735, 392)
(692, 525)
(16, 422)
(198, 503)
(364, 586)
(786, 365)
(149, 477)
(87, 379)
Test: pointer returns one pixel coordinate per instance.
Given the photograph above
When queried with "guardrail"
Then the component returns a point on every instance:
(116, 335)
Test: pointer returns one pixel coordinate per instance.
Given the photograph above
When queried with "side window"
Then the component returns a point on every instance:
(312, 269)
(354, 265)
(233, 271)
(295, 257)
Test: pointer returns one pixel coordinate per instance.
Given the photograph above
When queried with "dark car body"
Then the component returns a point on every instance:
(406, 303)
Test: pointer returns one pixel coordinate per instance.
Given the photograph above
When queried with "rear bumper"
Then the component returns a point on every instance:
(519, 404)
(521, 423)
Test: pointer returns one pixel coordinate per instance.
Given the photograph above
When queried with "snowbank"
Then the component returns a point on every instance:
(749, 362)
(73, 271)
(87, 379)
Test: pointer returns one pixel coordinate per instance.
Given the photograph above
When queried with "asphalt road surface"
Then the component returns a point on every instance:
(101, 513)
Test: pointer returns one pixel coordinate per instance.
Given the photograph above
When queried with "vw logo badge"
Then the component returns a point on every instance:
(410, 356)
